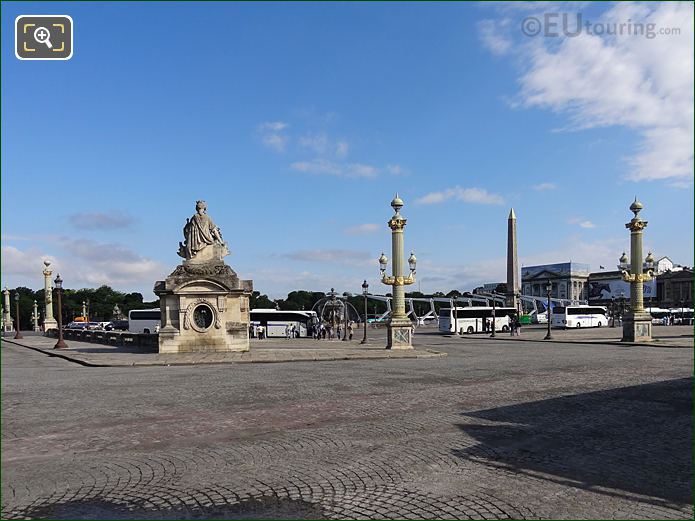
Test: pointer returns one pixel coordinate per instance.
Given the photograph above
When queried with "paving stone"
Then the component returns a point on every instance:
(494, 430)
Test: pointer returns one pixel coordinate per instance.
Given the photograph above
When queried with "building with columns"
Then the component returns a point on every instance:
(570, 280)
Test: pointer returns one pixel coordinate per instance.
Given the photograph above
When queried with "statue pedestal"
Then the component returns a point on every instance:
(205, 308)
(400, 334)
(637, 327)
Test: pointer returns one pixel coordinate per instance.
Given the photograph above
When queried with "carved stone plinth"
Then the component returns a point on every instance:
(205, 308)
(400, 334)
(637, 328)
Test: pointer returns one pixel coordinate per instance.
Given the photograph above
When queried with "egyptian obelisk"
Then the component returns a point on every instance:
(513, 285)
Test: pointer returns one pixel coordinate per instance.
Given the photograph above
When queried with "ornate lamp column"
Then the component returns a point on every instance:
(60, 344)
(48, 321)
(637, 324)
(365, 292)
(399, 325)
(6, 316)
(35, 317)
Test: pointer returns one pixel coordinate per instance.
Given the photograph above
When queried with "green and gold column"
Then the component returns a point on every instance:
(400, 328)
(637, 324)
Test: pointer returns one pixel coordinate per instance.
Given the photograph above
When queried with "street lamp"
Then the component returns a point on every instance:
(18, 334)
(346, 295)
(35, 316)
(399, 325)
(637, 325)
(365, 292)
(60, 344)
(548, 290)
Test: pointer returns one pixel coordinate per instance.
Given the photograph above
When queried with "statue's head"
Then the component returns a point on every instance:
(201, 206)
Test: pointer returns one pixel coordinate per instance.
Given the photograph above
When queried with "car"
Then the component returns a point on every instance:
(117, 325)
(76, 325)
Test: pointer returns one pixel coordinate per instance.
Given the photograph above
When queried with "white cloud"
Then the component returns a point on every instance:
(395, 169)
(581, 222)
(348, 257)
(341, 148)
(644, 84)
(111, 220)
(273, 136)
(544, 186)
(363, 229)
(84, 263)
(326, 167)
(323, 146)
(467, 195)
(316, 142)
(493, 35)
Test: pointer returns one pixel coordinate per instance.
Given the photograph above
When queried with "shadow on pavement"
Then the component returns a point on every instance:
(635, 439)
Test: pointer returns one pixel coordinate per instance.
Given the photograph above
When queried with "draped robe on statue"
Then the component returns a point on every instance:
(198, 232)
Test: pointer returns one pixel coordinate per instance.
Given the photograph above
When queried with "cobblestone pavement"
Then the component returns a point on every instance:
(495, 430)
(664, 336)
(271, 350)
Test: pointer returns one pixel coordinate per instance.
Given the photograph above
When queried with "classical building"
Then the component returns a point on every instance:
(675, 288)
(570, 280)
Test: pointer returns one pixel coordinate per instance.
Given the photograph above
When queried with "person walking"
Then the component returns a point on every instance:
(350, 330)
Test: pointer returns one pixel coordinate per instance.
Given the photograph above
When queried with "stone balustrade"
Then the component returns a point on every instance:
(145, 342)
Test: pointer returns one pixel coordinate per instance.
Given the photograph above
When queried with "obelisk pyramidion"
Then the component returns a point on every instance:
(513, 285)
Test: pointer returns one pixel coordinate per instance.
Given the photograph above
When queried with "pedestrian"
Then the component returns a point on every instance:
(350, 330)
(294, 331)
(323, 332)
(261, 332)
(340, 330)
(517, 325)
(512, 325)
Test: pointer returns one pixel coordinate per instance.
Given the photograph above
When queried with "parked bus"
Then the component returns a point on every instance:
(275, 321)
(660, 317)
(474, 319)
(144, 320)
(578, 316)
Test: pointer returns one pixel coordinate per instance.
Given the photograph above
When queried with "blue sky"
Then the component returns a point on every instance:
(297, 123)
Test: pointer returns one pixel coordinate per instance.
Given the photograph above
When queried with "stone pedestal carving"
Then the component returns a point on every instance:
(204, 304)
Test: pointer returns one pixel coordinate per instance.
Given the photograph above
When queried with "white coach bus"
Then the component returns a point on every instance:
(144, 320)
(275, 321)
(579, 316)
(474, 319)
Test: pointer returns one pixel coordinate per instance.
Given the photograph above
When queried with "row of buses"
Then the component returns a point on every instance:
(462, 320)
(479, 319)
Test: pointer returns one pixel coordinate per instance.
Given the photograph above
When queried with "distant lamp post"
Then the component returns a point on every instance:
(399, 325)
(84, 310)
(35, 317)
(637, 324)
(548, 312)
(346, 295)
(18, 333)
(60, 344)
(365, 292)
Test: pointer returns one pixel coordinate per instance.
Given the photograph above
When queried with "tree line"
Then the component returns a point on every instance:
(101, 302)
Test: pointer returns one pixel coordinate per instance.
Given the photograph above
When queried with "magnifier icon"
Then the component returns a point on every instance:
(43, 35)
